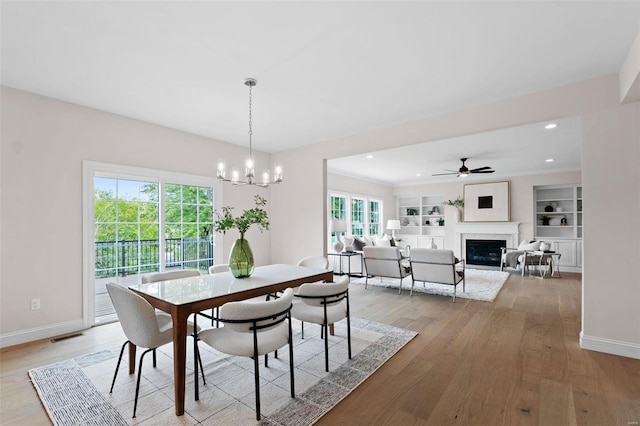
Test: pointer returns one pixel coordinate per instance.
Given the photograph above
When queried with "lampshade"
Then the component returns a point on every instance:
(393, 224)
(338, 226)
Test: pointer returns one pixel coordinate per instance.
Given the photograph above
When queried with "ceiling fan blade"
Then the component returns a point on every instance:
(442, 174)
(482, 171)
(480, 168)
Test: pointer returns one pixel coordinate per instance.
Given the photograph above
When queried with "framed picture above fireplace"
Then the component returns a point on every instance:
(486, 202)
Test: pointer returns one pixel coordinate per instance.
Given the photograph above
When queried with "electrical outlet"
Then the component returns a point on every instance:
(35, 304)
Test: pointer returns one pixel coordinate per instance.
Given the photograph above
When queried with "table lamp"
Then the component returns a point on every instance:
(338, 226)
(393, 225)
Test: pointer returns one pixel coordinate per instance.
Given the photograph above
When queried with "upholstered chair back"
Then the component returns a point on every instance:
(384, 262)
(138, 319)
(222, 267)
(170, 275)
(433, 265)
(319, 262)
(247, 310)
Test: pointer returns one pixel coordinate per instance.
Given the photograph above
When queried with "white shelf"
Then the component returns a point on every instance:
(564, 238)
(423, 205)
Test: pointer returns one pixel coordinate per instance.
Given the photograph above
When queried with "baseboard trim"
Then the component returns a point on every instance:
(38, 333)
(609, 346)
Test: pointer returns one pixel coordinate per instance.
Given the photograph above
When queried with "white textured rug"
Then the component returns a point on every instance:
(480, 285)
(76, 391)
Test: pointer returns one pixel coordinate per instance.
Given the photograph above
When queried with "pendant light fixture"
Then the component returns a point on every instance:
(249, 168)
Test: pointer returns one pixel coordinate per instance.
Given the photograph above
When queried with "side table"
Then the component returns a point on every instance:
(549, 263)
(348, 255)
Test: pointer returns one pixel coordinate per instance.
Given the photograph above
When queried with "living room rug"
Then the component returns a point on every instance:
(480, 284)
(76, 391)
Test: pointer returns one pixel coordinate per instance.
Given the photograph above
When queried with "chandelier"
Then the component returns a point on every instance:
(249, 173)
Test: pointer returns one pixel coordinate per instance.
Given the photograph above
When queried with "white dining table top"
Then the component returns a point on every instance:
(193, 289)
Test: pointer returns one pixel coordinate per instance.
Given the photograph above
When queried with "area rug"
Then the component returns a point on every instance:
(480, 284)
(76, 391)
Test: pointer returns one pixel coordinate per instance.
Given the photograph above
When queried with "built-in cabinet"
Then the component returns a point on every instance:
(421, 220)
(558, 220)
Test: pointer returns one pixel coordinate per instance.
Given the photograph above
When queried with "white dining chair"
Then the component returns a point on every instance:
(324, 304)
(216, 269)
(169, 275)
(222, 267)
(254, 328)
(144, 327)
(319, 262)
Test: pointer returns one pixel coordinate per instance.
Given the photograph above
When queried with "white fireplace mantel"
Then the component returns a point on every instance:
(507, 231)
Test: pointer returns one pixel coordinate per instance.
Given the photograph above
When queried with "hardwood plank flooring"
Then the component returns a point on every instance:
(515, 361)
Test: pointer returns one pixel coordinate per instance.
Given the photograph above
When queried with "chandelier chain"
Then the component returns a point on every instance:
(250, 124)
(249, 173)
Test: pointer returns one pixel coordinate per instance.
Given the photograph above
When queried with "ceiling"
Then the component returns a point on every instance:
(324, 69)
(515, 151)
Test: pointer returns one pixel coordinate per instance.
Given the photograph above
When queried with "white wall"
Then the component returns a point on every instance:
(618, 328)
(611, 179)
(43, 144)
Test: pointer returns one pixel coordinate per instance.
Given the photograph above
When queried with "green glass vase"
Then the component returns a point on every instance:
(241, 259)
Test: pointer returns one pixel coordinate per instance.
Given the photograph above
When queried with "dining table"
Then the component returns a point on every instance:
(185, 296)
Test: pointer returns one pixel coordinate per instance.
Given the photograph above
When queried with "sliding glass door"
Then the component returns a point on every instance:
(146, 224)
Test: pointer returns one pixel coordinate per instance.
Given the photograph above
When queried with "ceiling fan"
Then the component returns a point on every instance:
(464, 171)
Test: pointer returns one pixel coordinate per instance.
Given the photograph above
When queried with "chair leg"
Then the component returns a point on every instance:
(154, 359)
(303, 329)
(366, 282)
(326, 346)
(257, 381)
(293, 392)
(266, 360)
(204, 381)
(135, 403)
(412, 283)
(400, 286)
(349, 334)
(118, 366)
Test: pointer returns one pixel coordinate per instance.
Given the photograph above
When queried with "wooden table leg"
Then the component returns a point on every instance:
(179, 355)
(132, 358)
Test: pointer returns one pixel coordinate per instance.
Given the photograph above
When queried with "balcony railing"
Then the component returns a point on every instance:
(126, 257)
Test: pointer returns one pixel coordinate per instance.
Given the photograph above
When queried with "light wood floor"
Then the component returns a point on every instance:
(514, 361)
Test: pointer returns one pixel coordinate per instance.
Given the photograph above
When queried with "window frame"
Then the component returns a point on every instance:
(92, 169)
(348, 213)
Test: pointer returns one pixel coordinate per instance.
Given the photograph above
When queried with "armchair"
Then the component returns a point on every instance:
(437, 266)
(385, 262)
(521, 257)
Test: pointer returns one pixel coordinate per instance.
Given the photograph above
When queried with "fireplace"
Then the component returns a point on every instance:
(484, 252)
(501, 231)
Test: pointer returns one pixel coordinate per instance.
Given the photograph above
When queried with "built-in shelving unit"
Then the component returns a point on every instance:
(420, 218)
(558, 219)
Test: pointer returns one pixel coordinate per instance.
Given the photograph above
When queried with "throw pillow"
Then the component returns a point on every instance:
(358, 244)
(382, 241)
(534, 246)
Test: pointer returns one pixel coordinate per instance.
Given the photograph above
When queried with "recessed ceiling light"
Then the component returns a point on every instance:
(550, 160)
(369, 156)
(418, 174)
(551, 126)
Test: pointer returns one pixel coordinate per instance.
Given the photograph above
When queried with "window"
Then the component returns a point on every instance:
(338, 212)
(374, 218)
(357, 217)
(362, 214)
(188, 227)
(126, 222)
